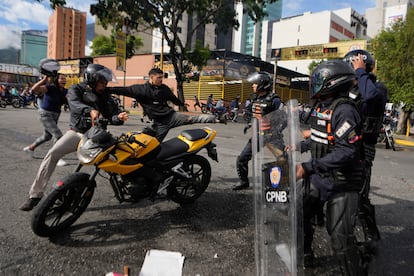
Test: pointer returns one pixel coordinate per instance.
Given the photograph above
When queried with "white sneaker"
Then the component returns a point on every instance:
(28, 151)
(61, 163)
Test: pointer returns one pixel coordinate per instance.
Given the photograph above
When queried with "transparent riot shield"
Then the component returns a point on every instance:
(277, 195)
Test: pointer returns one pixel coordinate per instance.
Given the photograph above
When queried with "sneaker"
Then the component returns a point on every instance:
(28, 151)
(29, 204)
(61, 163)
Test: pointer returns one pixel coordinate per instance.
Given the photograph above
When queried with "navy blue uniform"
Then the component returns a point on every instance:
(261, 106)
(371, 97)
(335, 176)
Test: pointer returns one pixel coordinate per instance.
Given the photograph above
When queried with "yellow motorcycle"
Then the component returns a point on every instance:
(137, 166)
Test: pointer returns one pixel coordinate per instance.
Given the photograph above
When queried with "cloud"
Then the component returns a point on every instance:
(26, 13)
(10, 38)
(19, 15)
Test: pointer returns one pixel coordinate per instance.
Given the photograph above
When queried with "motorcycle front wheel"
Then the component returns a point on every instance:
(187, 190)
(16, 103)
(64, 205)
(389, 141)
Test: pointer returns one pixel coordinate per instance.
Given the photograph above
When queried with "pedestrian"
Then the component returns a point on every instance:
(235, 104)
(51, 89)
(210, 102)
(196, 103)
(87, 100)
(335, 173)
(265, 101)
(154, 97)
(371, 97)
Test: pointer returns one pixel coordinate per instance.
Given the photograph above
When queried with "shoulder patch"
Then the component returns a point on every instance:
(343, 129)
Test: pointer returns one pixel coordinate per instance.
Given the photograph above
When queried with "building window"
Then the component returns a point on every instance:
(298, 28)
(297, 42)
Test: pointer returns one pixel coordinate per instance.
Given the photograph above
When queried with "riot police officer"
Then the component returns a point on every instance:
(371, 97)
(265, 101)
(336, 167)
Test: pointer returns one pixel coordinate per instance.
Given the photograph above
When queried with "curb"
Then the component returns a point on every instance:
(404, 142)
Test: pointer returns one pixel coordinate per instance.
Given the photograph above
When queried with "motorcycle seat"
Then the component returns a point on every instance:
(172, 147)
(194, 134)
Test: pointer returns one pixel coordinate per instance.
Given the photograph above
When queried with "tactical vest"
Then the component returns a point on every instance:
(371, 123)
(323, 143)
(263, 105)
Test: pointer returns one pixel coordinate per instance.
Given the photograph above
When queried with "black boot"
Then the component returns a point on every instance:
(242, 171)
(244, 184)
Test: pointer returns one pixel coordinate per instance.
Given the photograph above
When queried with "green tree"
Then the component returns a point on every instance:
(166, 16)
(313, 65)
(394, 52)
(103, 45)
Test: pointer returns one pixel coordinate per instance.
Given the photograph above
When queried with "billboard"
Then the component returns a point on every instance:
(322, 51)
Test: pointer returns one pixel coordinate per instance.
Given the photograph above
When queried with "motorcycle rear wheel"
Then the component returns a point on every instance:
(63, 206)
(183, 191)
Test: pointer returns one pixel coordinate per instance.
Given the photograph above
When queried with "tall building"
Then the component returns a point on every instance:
(385, 13)
(66, 34)
(248, 38)
(33, 47)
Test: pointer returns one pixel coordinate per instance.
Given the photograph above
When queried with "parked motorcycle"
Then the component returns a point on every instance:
(15, 101)
(3, 103)
(386, 134)
(137, 166)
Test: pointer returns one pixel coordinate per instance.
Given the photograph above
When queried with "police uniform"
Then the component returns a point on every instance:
(261, 106)
(335, 172)
(371, 97)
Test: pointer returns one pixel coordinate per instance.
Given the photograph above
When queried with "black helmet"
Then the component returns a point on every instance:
(367, 57)
(49, 67)
(331, 77)
(97, 72)
(263, 80)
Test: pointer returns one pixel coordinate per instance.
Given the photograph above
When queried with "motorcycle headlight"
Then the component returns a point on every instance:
(88, 151)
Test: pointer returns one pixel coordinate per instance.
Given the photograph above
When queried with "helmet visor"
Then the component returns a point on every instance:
(317, 82)
(107, 75)
(254, 78)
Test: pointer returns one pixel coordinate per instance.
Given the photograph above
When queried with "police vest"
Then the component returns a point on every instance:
(323, 143)
(263, 105)
(372, 123)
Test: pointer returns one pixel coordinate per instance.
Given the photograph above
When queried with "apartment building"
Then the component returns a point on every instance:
(66, 34)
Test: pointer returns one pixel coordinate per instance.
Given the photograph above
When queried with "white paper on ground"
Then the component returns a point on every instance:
(162, 263)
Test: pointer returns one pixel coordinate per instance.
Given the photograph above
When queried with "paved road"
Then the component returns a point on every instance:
(215, 234)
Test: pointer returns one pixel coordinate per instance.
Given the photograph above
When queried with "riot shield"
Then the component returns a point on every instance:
(277, 195)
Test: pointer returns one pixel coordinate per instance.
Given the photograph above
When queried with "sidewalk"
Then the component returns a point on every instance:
(404, 140)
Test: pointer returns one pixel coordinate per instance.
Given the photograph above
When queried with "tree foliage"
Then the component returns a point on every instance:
(394, 52)
(103, 45)
(166, 16)
(313, 65)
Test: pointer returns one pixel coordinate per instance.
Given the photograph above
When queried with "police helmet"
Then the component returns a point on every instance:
(366, 56)
(263, 80)
(49, 67)
(331, 77)
(97, 72)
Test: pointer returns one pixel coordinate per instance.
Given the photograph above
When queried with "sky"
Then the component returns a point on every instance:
(21, 15)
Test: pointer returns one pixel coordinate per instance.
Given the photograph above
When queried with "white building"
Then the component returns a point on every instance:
(312, 29)
(385, 13)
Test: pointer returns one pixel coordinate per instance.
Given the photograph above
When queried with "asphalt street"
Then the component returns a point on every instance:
(216, 234)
